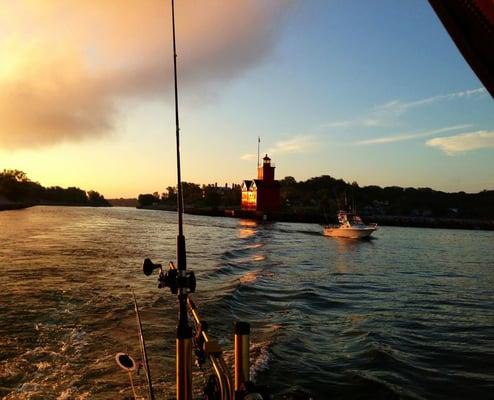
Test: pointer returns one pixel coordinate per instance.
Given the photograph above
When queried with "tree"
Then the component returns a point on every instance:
(96, 199)
(192, 193)
(147, 200)
(170, 197)
(16, 186)
(212, 197)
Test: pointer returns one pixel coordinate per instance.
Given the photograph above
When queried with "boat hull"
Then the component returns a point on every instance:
(350, 233)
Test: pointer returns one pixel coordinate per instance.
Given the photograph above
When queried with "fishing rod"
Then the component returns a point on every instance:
(182, 282)
(144, 354)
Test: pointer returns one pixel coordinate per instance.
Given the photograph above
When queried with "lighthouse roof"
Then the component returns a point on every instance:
(247, 183)
(263, 184)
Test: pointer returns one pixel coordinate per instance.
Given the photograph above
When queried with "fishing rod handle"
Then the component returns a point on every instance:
(242, 348)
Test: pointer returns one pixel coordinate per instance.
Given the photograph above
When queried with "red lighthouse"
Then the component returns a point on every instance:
(262, 194)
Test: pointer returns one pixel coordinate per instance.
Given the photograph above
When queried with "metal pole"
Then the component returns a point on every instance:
(258, 149)
(242, 332)
(184, 368)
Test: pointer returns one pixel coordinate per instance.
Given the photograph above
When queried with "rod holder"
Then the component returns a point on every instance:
(242, 348)
(184, 368)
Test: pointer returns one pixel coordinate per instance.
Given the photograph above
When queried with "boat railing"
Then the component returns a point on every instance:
(210, 348)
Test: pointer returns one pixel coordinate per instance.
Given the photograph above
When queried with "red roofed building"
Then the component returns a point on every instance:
(262, 194)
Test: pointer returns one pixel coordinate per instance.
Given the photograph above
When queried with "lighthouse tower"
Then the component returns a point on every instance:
(262, 194)
(265, 172)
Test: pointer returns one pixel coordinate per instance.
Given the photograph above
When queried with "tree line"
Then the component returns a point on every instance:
(15, 186)
(195, 195)
(325, 195)
(328, 195)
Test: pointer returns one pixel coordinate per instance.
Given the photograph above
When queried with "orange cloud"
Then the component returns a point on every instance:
(65, 63)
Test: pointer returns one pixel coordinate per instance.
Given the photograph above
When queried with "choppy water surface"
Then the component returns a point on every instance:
(409, 314)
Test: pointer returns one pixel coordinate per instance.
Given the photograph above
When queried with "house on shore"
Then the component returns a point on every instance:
(261, 194)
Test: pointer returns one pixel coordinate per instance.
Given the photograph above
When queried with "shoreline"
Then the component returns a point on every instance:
(297, 217)
(15, 206)
(318, 218)
(24, 205)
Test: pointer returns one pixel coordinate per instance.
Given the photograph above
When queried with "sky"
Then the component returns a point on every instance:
(374, 92)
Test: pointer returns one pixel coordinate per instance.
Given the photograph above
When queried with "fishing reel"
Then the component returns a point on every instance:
(173, 278)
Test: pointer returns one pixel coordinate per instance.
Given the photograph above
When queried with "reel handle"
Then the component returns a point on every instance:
(148, 267)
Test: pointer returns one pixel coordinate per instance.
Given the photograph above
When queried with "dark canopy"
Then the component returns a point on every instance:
(470, 23)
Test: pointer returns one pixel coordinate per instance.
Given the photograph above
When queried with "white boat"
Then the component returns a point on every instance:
(350, 226)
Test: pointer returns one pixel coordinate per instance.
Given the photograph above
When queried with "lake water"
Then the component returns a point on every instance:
(409, 314)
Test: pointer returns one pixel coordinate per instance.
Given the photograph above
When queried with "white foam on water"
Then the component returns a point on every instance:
(47, 368)
(260, 361)
(42, 365)
(70, 393)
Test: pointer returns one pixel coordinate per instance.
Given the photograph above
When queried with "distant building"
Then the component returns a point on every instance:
(262, 194)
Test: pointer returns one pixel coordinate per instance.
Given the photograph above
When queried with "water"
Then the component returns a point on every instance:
(409, 314)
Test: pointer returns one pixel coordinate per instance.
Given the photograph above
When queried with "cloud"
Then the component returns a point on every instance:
(248, 157)
(338, 124)
(397, 107)
(462, 142)
(384, 115)
(293, 145)
(410, 136)
(66, 65)
(368, 121)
